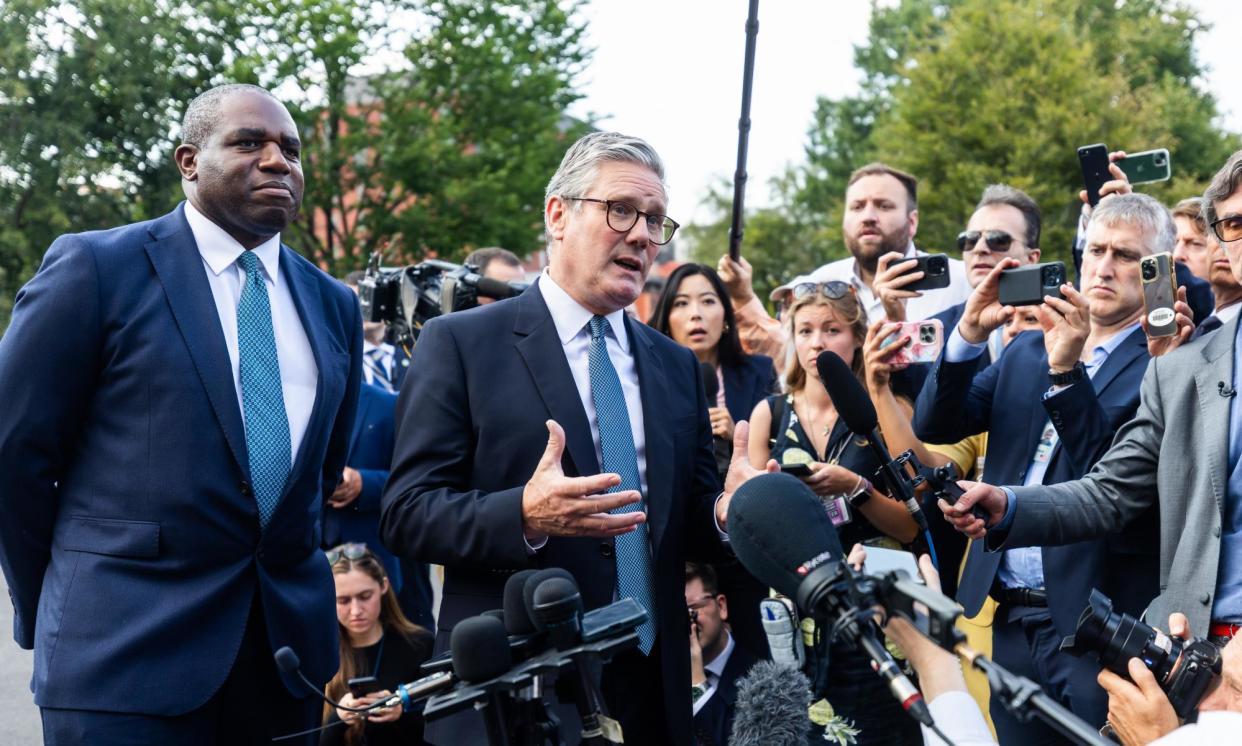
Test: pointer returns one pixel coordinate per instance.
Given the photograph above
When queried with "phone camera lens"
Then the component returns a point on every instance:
(1159, 161)
(1052, 276)
(1149, 271)
(937, 266)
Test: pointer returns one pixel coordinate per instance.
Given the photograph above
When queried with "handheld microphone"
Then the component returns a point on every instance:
(784, 538)
(711, 384)
(771, 706)
(517, 620)
(288, 661)
(480, 653)
(856, 411)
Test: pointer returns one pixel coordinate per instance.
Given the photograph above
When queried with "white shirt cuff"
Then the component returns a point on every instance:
(532, 548)
(957, 349)
(698, 704)
(724, 535)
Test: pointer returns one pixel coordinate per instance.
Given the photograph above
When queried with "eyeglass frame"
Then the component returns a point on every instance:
(1216, 232)
(352, 551)
(983, 235)
(608, 203)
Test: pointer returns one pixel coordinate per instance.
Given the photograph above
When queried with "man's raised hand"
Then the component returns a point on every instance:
(556, 505)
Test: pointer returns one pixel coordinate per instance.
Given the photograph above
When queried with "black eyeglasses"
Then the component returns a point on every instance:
(832, 290)
(998, 241)
(622, 216)
(1228, 229)
(347, 551)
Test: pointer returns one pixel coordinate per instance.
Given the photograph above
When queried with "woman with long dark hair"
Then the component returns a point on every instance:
(695, 311)
(377, 640)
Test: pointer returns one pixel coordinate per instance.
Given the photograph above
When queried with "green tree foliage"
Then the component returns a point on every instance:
(444, 145)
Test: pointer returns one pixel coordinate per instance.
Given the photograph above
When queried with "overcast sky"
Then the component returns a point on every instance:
(671, 72)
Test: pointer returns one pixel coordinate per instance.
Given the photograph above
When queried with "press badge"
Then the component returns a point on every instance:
(1047, 442)
(838, 510)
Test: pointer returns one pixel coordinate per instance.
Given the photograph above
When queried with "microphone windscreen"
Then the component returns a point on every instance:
(771, 707)
(287, 660)
(480, 649)
(496, 614)
(498, 289)
(780, 531)
(711, 384)
(532, 582)
(517, 620)
(555, 600)
(848, 395)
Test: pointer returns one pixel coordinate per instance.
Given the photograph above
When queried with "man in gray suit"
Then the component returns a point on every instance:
(1182, 450)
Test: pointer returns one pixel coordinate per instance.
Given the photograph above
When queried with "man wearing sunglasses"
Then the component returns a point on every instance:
(880, 217)
(1051, 428)
(550, 430)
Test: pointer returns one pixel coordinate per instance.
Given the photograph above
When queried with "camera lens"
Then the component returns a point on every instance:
(937, 266)
(927, 334)
(1159, 160)
(1118, 637)
(1149, 270)
(1052, 276)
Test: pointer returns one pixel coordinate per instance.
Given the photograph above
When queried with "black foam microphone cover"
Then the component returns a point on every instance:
(780, 531)
(517, 619)
(480, 649)
(287, 660)
(853, 405)
(711, 384)
(498, 289)
(496, 614)
(532, 583)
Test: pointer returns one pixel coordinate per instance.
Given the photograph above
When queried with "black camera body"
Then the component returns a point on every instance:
(1183, 668)
(408, 297)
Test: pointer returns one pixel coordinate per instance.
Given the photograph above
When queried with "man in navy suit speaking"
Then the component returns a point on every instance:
(551, 430)
(178, 397)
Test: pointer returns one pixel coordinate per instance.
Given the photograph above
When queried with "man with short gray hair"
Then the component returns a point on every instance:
(550, 430)
(1047, 429)
(1181, 455)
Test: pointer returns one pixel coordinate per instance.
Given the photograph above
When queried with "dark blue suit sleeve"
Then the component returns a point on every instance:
(49, 359)
(372, 489)
(955, 403)
(1083, 427)
(428, 512)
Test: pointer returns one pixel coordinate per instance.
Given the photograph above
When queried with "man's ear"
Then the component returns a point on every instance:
(1032, 255)
(186, 158)
(913, 219)
(555, 216)
(723, 603)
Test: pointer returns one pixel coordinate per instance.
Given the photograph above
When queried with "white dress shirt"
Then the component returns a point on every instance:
(298, 373)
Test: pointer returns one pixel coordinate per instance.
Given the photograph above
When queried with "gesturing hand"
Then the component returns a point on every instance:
(556, 505)
(740, 470)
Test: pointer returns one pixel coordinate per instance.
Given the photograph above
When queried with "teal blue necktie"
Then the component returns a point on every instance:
(617, 443)
(263, 400)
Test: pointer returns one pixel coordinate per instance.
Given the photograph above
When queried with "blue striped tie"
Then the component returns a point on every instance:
(617, 443)
(263, 401)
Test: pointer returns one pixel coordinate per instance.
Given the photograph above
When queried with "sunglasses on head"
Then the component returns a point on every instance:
(994, 240)
(832, 290)
(347, 551)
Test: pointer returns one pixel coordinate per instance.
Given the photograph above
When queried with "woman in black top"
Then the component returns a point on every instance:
(377, 640)
(695, 311)
(801, 430)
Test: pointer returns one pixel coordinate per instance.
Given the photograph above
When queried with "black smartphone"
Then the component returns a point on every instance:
(1027, 286)
(935, 269)
(798, 470)
(1094, 162)
(363, 685)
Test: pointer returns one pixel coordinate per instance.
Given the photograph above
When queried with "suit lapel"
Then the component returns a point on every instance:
(1134, 345)
(652, 384)
(177, 262)
(735, 388)
(1213, 408)
(544, 355)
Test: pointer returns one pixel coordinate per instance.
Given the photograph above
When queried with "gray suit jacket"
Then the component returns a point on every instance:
(1174, 452)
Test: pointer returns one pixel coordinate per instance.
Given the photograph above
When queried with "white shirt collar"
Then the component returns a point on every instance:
(719, 662)
(1227, 313)
(220, 250)
(570, 317)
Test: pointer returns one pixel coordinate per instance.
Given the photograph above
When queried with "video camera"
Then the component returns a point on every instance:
(406, 298)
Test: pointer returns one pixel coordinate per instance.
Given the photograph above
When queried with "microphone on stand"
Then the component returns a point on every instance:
(711, 384)
(771, 706)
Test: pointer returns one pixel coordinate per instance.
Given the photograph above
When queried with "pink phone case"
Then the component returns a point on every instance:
(926, 338)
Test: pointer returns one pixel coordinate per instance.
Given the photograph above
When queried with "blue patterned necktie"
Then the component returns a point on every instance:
(617, 443)
(263, 400)
(374, 360)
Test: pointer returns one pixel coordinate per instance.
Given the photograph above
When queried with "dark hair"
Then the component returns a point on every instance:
(705, 573)
(481, 258)
(1224, 184)
(879, 169)
(729, 349)
(352, 661)
(202, 116)
(1003, 194)
(1191, 208)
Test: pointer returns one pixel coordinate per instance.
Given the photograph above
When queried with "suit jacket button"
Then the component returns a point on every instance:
(246, 489)
(1205, 598)
(1216, 531)
(606, 549)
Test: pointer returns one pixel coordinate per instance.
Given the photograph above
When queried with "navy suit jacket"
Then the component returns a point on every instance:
(470, 431)
(713, 724)
(1006, 400)
(748, 384)
(131, 540)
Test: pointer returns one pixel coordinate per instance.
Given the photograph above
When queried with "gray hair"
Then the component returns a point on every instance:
(1143, 212)
(1224, 184)
(580, 165)
(203, 114)
(1003, 194)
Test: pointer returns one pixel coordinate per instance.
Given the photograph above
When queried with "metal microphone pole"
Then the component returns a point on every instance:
(743, 132)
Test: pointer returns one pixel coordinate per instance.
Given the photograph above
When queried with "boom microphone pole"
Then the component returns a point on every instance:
(743, 132)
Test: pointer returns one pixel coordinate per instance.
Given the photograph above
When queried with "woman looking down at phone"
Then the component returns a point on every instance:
(377, 643)
(802, 432)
